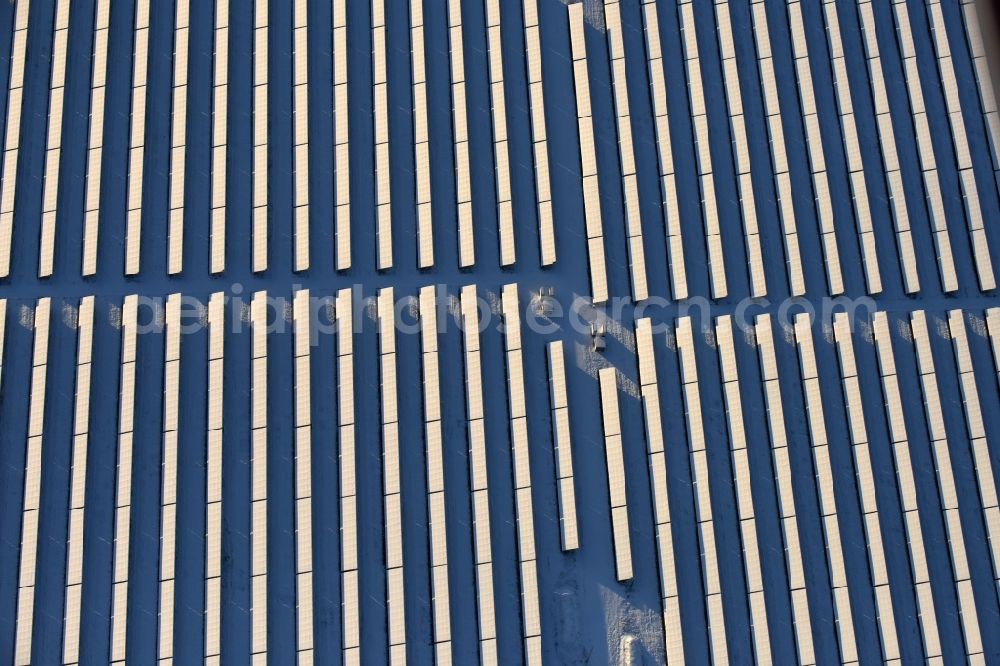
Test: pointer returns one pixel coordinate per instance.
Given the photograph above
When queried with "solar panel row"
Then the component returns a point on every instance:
(349, 527)
(520, 459)
(854, 409)
(740, 149)
(588, 157)
(976, 431)
(925, 149)
(703, 153)
(814, 144)
(753, 550)
(960, 143)
(946, 481)
(3, 329)
(258, 477)
(137, 138)
(779, 158)
(213, 480)
(220, 137)
(260, 137)
(852, 149)
(984, 80)
(341, 138)
(53, 151)
(905, 472)
(993, 329)
(460, 133)
(665, 151)
(698, 457)
(380, 101)
(539, 137)
(436, 514)
(12, 133)
(825, 483)
(391, 497)
(78, 481)
(656, 458)
(626, 151)
(301, 313)
(178, 140)
(168, 481)
(501, 154)
(421, 138)
(795, 567)
(887, 140)
(481, 539)
(123, 479)
(300, 131)
(613, 457)
(31, 499)
(562, 447)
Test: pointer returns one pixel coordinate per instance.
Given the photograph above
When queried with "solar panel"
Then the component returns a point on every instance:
(623, 545)
(562, 448)
(30, 503)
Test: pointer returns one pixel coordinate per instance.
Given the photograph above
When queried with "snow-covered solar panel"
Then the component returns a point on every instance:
(945, 477)
(616, 474)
